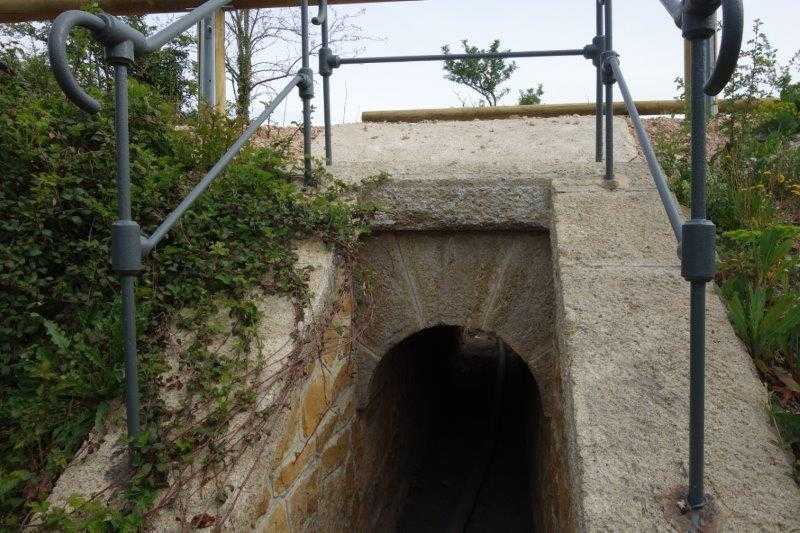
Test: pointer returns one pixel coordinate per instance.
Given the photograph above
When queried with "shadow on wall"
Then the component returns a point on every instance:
(450, 437)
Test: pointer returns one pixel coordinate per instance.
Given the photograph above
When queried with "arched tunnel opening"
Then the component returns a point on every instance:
(452, 433)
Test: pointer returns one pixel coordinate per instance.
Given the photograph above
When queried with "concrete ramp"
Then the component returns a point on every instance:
(590, 297)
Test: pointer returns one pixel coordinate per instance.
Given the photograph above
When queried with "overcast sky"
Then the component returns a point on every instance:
(649, 45)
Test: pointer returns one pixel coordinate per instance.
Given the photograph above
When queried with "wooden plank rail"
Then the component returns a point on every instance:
(647, 107)
(28, 10)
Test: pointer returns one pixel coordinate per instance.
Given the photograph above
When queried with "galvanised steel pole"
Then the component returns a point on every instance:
(699, 234)
(207, 58)
(609, 83)
(325, 70)
(306, 93)
(711, 59)
(697, 317)
(339, 61)
(126, 240)
(326, 90)
(122, 43)
(598, 43)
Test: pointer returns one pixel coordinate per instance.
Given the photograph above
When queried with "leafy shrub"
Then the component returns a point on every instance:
(531, 96)
(764, 322)
(483, 76)
(791, 93)
(764, 310)
(778, 118)
(754, 199)
(60, 345)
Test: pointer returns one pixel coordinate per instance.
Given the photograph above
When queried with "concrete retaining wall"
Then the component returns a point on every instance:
(582, 282)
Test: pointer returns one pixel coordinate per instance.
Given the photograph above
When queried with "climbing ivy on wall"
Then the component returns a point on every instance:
(61, 368)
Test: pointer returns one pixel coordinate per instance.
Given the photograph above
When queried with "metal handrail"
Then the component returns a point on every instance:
(656, 171)
(111, 32)
(599, 43)
(123, 44)
(450, 57)
(171, 219)
(696, 236)
(325, 70)
(329, 61)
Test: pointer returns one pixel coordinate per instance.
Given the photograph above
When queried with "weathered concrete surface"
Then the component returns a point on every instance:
(528, 148)
(621, 324)
(243, 489)
(624, 345)
(486, 205)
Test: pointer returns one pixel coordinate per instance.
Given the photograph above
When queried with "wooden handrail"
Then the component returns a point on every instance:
(29, 10)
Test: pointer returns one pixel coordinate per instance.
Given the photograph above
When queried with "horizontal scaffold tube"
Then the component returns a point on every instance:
(444, 57)
(660, 179)
(27, 10)
(646, 107)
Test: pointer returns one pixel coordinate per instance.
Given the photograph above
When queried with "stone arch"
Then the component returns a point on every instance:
(500, 283)
(497, 282)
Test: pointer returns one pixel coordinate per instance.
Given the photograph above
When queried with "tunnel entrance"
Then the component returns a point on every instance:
(453, 428)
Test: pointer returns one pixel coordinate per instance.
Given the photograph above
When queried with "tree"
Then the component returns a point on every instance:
(263, 47)
(531, 96)
(483, 76)
(167, 70)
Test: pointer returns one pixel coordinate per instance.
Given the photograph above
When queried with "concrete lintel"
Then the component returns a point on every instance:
(494, 204)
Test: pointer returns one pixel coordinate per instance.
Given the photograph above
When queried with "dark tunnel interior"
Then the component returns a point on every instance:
(455, 424)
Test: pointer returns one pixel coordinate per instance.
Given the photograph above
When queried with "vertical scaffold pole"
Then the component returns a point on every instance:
(325, 70)
(126, 246)
(326, 90)
(306, 93)
(207, 51)
(698, 257)
(608, 75)
(599, 46)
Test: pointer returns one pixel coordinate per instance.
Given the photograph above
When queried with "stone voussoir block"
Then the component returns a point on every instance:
(278, 520)
(335, 455)
(315, 401)
(288, 437)
(304, 502)
(286, 476)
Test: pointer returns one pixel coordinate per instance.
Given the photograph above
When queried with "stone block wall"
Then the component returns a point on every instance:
(335, 467)
(311, 483)
(353, 434)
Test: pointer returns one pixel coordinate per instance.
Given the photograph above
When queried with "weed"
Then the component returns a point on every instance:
(60, 346)
(753, 198)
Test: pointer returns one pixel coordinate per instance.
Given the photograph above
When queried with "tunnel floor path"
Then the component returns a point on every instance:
(475, 472)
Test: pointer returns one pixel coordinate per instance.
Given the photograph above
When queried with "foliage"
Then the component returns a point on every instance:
(484, 76)
(764, 311)
(167, 70)
(531, 96)
(61, 370)
(754, 199)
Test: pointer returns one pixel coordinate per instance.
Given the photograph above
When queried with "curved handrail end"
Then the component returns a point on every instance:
(57, 51)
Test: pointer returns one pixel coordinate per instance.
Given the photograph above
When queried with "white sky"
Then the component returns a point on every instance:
(649, 44)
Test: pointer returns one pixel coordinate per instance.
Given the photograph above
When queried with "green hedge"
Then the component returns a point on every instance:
(60, 356)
